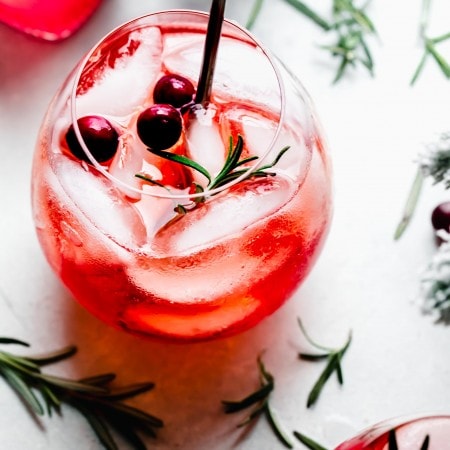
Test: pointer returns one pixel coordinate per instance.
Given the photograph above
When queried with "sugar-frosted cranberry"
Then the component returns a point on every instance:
(159, 127)
(98, 134)
(440, 217)
(174, 90)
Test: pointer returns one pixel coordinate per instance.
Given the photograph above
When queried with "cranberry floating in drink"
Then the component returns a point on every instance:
(201, 217)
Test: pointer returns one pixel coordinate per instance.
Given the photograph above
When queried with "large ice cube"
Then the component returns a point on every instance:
(225, 216)
(242, 70)
(127, 162)
(204, 142)
(258, 130)
(190, 257)
(100, 202)
(121, 89)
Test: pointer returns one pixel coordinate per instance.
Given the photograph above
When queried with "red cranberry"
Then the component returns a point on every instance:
(99, 136)
(440, 218)
(174, 90)
(159, 127)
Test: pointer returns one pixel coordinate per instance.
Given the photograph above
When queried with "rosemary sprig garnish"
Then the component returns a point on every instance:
(333, 358)
(392, 441)
(259, 399)
(101, 406)
(430, 45)
(231, 170)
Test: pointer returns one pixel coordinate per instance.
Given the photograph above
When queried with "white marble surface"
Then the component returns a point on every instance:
(398, 362)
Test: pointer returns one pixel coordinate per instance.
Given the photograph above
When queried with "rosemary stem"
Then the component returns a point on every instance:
(210, 52)
(411, 204)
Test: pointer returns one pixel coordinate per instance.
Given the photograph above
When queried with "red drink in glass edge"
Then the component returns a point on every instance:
(47, 19)
(150, 244)
(431, 432)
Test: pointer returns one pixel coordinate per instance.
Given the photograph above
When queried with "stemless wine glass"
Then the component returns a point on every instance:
(420, 432)
(47, 19)
(197, 228)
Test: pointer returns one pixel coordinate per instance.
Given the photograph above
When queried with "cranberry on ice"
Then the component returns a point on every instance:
(98, 134)
(174, 90)
(159, 126)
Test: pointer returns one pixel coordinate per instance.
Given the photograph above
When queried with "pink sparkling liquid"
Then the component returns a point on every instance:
(47, 19)
(224, 266)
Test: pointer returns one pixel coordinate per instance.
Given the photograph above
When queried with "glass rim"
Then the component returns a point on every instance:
(168, 194)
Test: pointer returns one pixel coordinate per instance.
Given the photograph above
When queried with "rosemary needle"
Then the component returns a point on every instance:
(259, 400)
(333, 358)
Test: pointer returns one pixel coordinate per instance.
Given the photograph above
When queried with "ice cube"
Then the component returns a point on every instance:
(200, 258)
(128, 162)
(258, 130)
(225, 216)
(204, 142)
(100, 202)
(123, 88)
(242, 70)
(189, 47)
(155, 211)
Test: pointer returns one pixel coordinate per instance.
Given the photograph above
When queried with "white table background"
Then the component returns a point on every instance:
(399, 360)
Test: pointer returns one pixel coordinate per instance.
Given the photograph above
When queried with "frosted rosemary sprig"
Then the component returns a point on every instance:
(259, 400)
(430, 50)
(333, 358)
(433, 163)
(101, 405)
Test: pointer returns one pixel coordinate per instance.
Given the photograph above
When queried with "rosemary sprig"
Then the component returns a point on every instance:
(260, 400)
(392, 441)
(333, 357)
(430, 45)
(231, 170)
(350, 26)
(101, 406)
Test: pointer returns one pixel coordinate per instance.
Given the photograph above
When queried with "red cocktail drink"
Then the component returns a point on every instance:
(171, 219)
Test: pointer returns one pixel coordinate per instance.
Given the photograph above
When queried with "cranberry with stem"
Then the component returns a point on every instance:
(174, 90)
(100, 137)
(159, 126)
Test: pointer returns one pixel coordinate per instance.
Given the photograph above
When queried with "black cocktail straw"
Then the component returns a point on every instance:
(210, 52)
